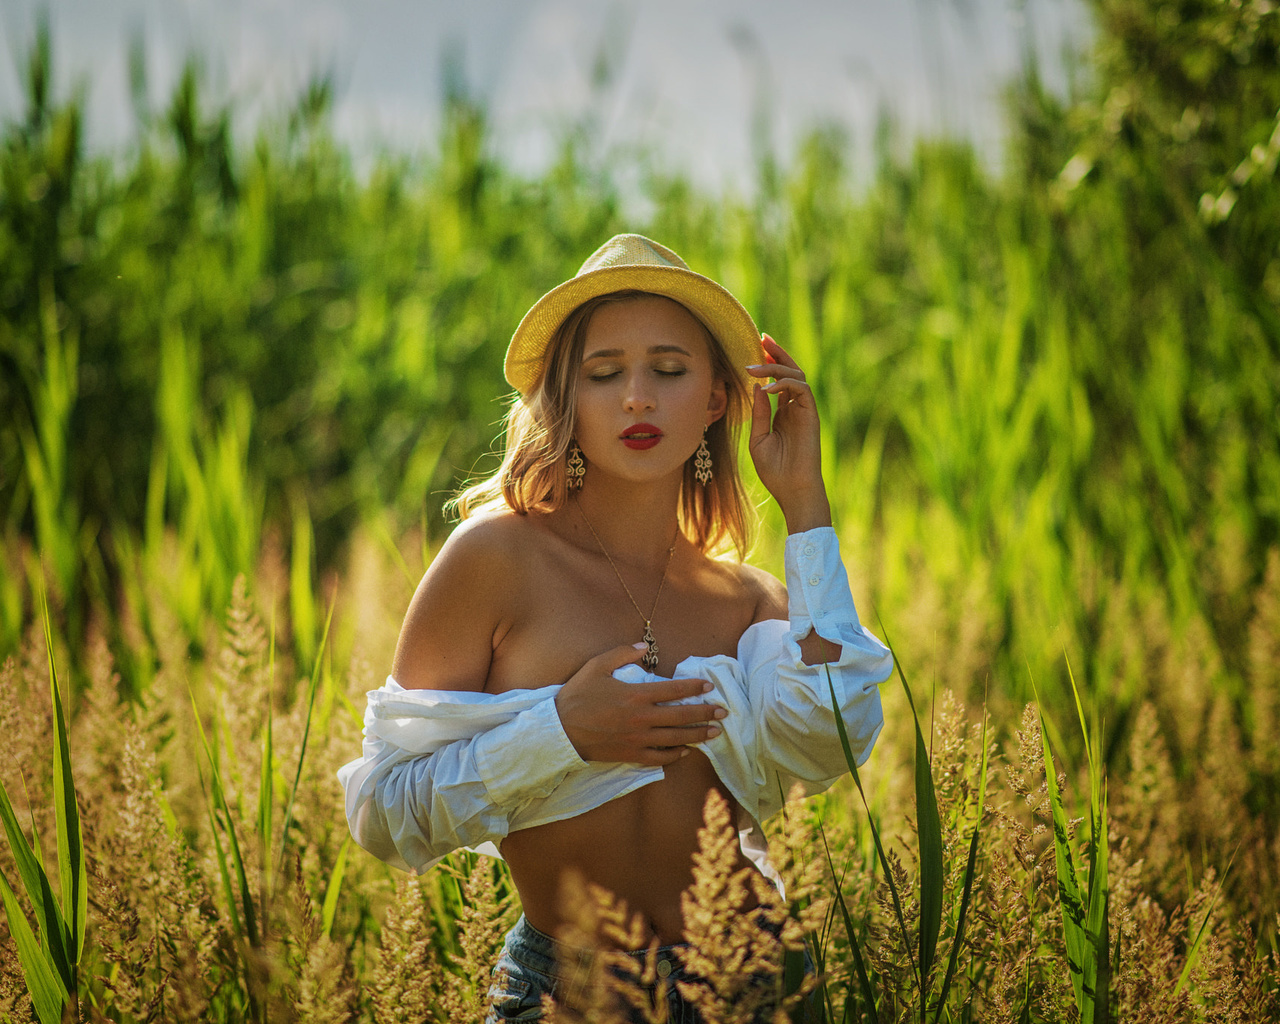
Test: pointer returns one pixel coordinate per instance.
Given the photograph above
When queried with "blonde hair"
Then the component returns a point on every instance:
(533, 476)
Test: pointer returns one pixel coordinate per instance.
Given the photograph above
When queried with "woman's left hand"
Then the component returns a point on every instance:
(785, 444)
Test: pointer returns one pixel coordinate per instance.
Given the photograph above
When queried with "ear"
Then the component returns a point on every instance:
(718, 403)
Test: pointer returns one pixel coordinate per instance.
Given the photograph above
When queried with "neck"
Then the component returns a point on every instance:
(636, 524)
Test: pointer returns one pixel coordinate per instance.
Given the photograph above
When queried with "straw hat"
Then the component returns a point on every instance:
(623, 263)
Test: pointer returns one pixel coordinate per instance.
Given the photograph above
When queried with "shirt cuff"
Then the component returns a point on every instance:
(817, 585)
(527, 757)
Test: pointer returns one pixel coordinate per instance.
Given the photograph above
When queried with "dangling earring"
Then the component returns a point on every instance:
(577, 467)
(702, 464)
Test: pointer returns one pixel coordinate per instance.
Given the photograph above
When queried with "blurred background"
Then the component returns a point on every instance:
(701, 87)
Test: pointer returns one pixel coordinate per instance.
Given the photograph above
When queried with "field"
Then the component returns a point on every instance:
(238, 381)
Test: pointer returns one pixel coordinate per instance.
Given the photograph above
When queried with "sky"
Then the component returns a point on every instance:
(688, 78)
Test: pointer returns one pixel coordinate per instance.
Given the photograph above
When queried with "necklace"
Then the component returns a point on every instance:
(650, 659)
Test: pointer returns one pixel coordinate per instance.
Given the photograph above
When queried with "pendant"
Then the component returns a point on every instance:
(650, 657)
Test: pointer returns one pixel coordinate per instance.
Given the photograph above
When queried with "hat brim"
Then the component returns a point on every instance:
(722, 315)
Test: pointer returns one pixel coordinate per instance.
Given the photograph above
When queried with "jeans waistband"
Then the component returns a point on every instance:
(541, 952)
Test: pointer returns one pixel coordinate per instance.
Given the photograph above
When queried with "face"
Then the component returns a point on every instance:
(646, 389)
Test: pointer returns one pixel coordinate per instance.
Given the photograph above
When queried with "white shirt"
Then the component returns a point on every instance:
(447, 769)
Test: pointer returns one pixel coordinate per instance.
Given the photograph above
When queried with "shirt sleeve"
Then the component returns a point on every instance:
(797, 737)
(420, 791)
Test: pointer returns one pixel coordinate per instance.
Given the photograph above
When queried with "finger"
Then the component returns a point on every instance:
(777, 352)
(683, 737)
(682, 715)
(795, 390)
(611, 660)
(677, 716)
(761, 414)
(656, 756)
(661, 690)
(775, 370)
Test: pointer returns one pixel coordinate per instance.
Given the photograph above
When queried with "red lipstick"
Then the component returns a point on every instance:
(641, 436)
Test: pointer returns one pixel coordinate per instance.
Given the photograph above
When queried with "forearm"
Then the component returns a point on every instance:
(800, 723)
(426, 786)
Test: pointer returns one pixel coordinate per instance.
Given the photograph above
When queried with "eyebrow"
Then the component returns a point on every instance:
(654, 350)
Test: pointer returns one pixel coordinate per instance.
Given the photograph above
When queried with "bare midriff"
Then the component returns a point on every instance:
(639, 847)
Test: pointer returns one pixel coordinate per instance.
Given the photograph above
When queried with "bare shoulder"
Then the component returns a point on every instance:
(484, 541)
(766, 589)
(463, 604)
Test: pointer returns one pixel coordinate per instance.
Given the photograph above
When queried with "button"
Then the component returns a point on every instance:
(664, 968)
(814, 580)
(808, 550)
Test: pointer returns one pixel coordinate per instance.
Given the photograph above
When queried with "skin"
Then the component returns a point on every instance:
(523, 601)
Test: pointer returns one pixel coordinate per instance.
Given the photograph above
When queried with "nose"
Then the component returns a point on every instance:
(638, 396)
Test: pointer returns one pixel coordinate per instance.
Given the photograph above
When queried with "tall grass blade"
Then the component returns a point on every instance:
(313, 688)
(330, 906)
(266, 780)
(218, 807)
(1069, 896)
(302, 604)
(929, 832)
(49, 917)
(71, 864)
(48, 994)
(1084, 918)
(1194, 952)
(970, 871)
(859, 964)
(224, 871)
(1097, 921)
(852, 762)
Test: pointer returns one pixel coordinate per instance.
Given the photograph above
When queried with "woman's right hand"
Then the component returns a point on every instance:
(609, 720)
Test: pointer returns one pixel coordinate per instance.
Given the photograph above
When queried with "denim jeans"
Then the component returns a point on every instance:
(533, 963)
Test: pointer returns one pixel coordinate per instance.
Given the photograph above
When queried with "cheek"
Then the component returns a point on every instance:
(586, 415)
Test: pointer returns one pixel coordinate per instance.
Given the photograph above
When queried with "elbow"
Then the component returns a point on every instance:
(885, 668)
(864, 725)
(371, 832)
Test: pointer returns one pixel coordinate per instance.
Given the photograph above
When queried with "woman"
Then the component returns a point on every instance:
(586, 561)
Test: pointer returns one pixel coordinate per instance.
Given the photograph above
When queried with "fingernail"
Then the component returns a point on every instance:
(706, 687)
(713, 731)
(720, 713)
(640, 646)
(755, 366)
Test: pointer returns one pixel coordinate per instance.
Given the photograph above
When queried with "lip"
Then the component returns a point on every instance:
(630, 437)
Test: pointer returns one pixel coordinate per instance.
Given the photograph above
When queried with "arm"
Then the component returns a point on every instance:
(826, 649)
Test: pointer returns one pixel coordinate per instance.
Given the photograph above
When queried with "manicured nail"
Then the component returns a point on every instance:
(755, 366)
(640, 646)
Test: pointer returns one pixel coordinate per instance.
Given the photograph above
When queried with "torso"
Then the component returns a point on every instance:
(567, 606)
